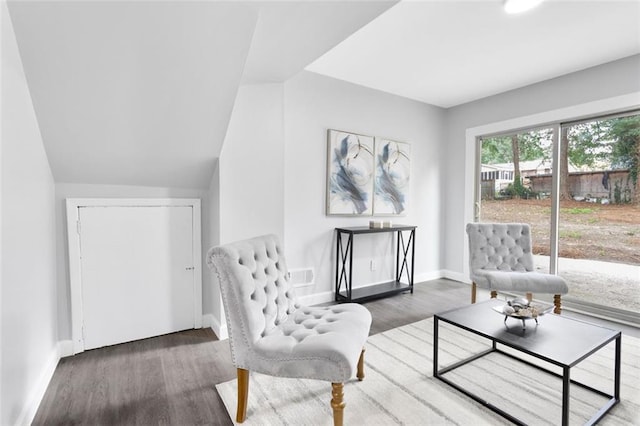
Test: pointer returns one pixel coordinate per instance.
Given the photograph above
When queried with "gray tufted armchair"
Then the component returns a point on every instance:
(500, 259)
(270, 333)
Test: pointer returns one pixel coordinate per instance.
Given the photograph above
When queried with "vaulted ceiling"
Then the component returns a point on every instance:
(141, 92)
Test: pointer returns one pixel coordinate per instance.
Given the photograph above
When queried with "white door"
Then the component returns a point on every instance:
(137, 272)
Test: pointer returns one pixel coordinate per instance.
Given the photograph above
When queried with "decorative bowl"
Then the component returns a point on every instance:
(522, 309)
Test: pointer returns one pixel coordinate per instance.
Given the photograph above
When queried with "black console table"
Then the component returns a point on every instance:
(405, 252)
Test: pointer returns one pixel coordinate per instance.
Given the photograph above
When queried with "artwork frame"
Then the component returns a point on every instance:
(393, 177)
(350, 173)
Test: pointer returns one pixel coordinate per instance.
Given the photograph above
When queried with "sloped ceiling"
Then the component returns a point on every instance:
(446, 53)
(290, 35)
(140, 93)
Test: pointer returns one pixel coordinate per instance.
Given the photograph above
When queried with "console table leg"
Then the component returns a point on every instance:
(338, 249)
(413, 255)
(350, 283)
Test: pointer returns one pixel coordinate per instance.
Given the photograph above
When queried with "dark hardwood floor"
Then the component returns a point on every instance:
(171, 379)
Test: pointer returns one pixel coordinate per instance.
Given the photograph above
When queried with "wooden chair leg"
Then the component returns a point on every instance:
(473, 292)
(557, 304)
(243, 393)
(337, 403)
(360, 373)
(494, 294)
(529, 297)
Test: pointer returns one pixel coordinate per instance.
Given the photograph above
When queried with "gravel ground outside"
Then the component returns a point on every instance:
(599, 246)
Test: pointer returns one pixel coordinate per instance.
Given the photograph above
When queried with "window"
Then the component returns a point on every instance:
(588, 229)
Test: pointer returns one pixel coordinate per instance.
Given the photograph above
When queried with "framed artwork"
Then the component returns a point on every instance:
(350, 173)
(392, 177)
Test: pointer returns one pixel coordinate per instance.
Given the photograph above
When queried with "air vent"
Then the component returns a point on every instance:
(301, 277)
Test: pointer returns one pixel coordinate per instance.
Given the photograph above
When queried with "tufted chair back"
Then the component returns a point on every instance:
(500, 247)
(255, 288)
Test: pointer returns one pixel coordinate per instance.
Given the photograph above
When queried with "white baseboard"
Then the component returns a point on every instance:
(37, 393)
(316, 298)
(327, 296)
(428, 276)
(456, 276)
(65, 348)
(220, 330)
(207, 320)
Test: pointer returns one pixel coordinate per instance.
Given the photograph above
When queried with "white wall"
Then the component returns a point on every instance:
(252, 165)
(71, 190)
(28, 339)
(3, 13)
(272, 175)
(247, 189)
(593, 91)
(314, 104)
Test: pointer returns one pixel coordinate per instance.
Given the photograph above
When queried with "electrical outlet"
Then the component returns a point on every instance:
(372, 265)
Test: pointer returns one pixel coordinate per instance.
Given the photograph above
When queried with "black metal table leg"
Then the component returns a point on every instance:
(338, 249)
(566, 382)
(350, 282)
(413, 256)
(435, 347)
(402, 263)
(616, 384)
(343, 276)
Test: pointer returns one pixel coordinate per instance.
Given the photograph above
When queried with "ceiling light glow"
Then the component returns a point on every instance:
(518, 6)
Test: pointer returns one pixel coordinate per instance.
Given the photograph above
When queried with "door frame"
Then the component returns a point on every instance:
(75, 276)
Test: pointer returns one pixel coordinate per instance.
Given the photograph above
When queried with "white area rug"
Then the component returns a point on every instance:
(399, 387)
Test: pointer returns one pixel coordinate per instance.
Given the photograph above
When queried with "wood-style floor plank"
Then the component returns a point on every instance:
(165, 380)
(170, 380)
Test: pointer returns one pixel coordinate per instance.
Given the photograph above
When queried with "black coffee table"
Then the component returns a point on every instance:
(558, 340)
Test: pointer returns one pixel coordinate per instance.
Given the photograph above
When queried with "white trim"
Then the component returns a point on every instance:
(328, 296)
(219, 329)
(207, 320)
(554, 217)
(65, 348)
(316, 298)
(37, 392)
(427, 276)
(456, 276)
(75, 277)
(197, 262)
(603, 106)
